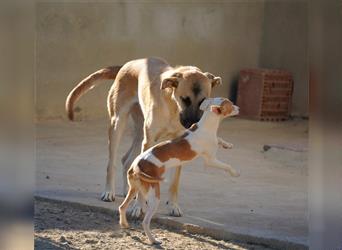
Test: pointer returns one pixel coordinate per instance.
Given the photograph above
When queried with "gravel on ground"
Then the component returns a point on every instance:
(62, 226)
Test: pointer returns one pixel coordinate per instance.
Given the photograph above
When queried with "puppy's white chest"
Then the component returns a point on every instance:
(204, 144)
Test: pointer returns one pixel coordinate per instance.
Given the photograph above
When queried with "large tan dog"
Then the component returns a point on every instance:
(162, 100)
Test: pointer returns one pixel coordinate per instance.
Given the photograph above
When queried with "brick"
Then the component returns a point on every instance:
(265, 94)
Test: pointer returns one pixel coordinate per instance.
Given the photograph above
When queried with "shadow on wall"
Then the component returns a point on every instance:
(233, 89)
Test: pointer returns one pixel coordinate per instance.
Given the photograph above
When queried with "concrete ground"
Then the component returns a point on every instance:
(268, 200)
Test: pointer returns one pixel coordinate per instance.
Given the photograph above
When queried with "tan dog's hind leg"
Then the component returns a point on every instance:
(135, 148)
(116, 129)
(172, 203)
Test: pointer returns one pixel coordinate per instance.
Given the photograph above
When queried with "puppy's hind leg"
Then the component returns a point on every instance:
(153, 200)
(123, 207)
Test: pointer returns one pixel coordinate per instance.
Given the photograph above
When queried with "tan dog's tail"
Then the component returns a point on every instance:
(148, 178)
(87, 84)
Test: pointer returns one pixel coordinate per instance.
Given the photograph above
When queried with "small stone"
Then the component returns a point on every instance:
(64, 240)
(114, 235)
(91, 241)
(47, 177)
(266, 148)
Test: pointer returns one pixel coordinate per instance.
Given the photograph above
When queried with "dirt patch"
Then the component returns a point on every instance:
(60, 226)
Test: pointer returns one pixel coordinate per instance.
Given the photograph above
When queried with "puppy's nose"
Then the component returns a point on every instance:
(236, 109)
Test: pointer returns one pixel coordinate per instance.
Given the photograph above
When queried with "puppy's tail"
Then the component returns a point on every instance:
(148, 178)
(87, 84)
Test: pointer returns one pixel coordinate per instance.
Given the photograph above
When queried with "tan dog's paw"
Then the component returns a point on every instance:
(108, 196)
(135, 210)
(174, 209)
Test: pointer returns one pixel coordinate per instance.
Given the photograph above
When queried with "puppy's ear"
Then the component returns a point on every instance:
(216, 109)
(215, 80)
(172, 81)
(226, 107)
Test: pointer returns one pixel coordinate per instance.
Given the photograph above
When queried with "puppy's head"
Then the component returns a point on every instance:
(190, 87)
(220, 106)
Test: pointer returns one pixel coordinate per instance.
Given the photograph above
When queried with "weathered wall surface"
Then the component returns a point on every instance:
(75, 39)
(285, 46)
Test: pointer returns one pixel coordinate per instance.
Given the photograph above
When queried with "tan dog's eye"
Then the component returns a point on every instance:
(186, 100)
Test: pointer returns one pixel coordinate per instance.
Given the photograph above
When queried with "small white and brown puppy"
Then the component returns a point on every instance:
(147, 170)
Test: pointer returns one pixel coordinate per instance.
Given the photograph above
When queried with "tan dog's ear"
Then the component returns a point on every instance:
(215, 80)
(216, 109)
(172, 81)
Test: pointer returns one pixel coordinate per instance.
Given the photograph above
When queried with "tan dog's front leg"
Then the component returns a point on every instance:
(224, 144)
(172, 203)
(213, 162)
(137, 208)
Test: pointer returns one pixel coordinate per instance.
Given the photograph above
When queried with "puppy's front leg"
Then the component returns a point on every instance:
(213, 162)
(224, 144)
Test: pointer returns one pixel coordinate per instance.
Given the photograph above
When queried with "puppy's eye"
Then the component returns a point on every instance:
(186, 100)
(199, 104)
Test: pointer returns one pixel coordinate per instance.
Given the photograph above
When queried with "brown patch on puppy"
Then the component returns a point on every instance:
(150, 175)
(226, 107)
(216, 109)
(193, 127)
(151, 170)
(178, 148)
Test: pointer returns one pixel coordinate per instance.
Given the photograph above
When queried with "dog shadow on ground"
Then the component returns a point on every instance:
(41, 243)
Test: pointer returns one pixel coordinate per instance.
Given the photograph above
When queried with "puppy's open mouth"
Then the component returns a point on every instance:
(235, 111)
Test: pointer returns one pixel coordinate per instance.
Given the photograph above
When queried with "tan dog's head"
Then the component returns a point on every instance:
(190, 87)
(220, 106)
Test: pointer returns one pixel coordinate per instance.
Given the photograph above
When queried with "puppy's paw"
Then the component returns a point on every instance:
(124, 225)
(135, 210)
(155, 242)
(174, 209)
(108, 196)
